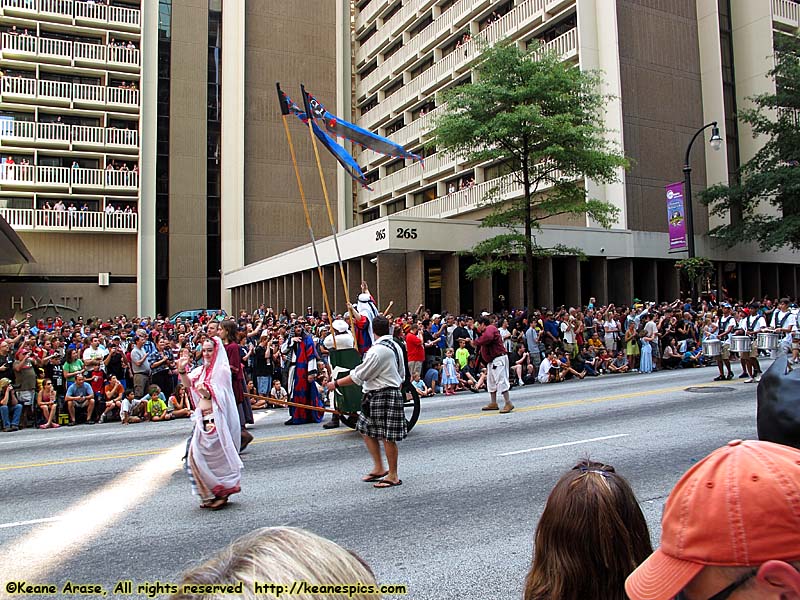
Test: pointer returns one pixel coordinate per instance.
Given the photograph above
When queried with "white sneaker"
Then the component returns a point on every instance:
(749, 380)
(758, 378)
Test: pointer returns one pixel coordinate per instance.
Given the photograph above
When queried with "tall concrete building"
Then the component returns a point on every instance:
(671, 68)
(69, 145)
(167, 109)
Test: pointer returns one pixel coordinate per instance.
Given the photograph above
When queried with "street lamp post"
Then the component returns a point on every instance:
(715, 141)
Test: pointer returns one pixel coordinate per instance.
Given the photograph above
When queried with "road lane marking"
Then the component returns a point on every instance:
(31, 522)
(87, 518)
(551, 446)
(346, 430)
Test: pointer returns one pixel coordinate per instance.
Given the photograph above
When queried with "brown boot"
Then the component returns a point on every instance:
(333, 424)
(507, 408)
(491, 406)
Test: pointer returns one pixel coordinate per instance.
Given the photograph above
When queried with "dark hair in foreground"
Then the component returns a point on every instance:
(591, 536)
(380, 326)
(280, 555)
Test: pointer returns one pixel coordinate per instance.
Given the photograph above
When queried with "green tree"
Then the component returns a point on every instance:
(543, 119)
(772, 176)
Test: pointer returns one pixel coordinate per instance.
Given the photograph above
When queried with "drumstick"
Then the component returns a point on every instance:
(387, 308)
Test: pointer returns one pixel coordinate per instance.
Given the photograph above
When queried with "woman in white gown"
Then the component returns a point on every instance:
(212, 459)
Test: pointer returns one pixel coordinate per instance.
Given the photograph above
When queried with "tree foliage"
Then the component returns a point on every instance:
(542, 118)
(772, 176)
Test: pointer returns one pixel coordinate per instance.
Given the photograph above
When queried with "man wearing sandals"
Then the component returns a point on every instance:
(382, 418)
(493, 354)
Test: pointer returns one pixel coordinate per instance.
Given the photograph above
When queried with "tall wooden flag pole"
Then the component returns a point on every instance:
(284, 113)
(328, 205)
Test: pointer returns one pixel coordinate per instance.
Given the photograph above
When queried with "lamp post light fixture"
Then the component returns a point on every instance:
(715, 142)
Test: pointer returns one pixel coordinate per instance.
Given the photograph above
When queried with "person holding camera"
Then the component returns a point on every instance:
(10, 409)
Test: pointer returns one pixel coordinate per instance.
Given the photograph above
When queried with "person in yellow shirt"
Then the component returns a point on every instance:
(462, 354)
(156, 407)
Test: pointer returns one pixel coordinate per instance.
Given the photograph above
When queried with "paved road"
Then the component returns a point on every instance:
(465, 515)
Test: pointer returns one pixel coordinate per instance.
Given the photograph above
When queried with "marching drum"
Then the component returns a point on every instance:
(768, 341)
(712, 348)
(741, 343)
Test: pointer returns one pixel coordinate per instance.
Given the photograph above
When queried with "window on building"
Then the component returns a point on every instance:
(395, 126)
(497, 170)
(371, 66)
(395, 166)
(370, 215)
(392, 11)
(395, 206)
(422, 67)
(368, 33)
(394, 86)
(424, 196)
(421, 24)
(393, 48)
(548, 35)
(369, 105)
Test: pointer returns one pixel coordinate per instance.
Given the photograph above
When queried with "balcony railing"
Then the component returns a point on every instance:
(92, 53)
(124, 138)
(67, 177)
(461, 59)
(77, 135)
(18, 130)
(786, 14)
(469, 199)
(123, 56)
(409, 134)
(29, 219)
(88, 136)
(53, 132)
(81, 11)
(63, 92)
(65, 52)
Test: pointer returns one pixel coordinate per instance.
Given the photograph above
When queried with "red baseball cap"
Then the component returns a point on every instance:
(738, 507)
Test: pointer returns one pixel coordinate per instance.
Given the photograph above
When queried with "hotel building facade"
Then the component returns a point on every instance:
(671, 67)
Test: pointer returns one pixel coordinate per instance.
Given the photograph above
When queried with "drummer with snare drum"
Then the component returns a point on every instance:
(750, 324)
(727, 325)
(784, 322)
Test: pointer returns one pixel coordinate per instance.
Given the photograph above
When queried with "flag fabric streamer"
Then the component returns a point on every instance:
(340, 154)
(356, 134)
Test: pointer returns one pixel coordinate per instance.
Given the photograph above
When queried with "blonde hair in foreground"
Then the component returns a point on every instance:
(280, 555)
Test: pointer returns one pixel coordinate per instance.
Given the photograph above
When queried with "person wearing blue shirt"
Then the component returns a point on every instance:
(80, 394)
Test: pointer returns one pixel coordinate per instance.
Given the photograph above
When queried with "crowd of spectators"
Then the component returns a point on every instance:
(123, 360)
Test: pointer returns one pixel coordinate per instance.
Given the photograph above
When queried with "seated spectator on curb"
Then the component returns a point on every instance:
(423, 390)
(283, 556)
(47, 402)
(80, 395)
(671, 358)
(731, 529)
(132, 410)
(278, 392)
(156, 407)
(10, 409)
(433, 376)
(591, 536)
(619, 364)
(549, 369)
(178, 405)
(113, 393)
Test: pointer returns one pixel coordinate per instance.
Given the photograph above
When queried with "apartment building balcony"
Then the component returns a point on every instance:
(90, 55)
(18, 88)
(20, 8)
(524, 17)
(392, 27)
(78, 12)
(88, 138)
(412, 176)
(410, 134)
(29, 219)
(123, 99)
(88, 96)
(56, 93)
(66, 178)
(56, 10)
(122, 139)
(786, 15)
(461, 60)
(63, 52)
(123, 59)
(469, 199)
(52, 135)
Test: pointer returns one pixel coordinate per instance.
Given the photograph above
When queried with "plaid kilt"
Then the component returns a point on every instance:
(387, 420)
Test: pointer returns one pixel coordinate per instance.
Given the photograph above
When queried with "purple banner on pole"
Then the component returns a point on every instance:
(676, 218)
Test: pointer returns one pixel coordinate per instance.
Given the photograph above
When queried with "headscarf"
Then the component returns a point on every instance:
(217, 455)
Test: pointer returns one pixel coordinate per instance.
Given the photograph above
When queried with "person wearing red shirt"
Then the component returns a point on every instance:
(415, 349)
(493, 354)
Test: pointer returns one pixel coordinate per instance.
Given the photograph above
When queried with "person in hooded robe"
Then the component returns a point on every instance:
(301, 356)
(366, 310)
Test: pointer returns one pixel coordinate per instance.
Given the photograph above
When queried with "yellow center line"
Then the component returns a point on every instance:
(321, 434)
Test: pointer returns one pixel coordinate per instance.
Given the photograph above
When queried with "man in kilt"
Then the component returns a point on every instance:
(382, 419)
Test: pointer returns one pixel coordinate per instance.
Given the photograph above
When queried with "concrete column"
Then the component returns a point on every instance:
(297, 285)
(415, 280)
(572, 280)
(620, 281)
(354, 279)
(516, 289)
(369, 273)
(451, 294)
(482, 295)
(330, 288)
(391, 275)
(598, 280)
(316, 291)
(543, 289)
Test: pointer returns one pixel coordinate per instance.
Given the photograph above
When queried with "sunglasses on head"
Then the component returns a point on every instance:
(728, 591)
